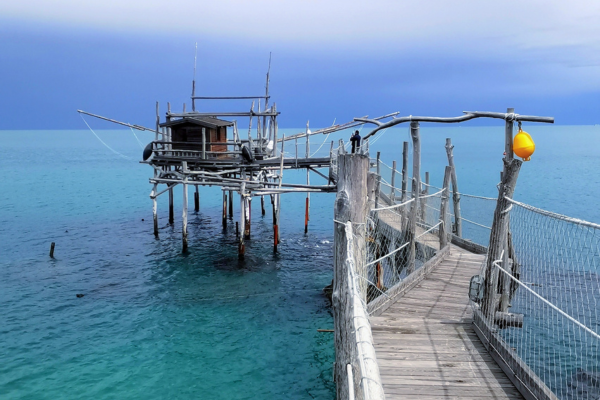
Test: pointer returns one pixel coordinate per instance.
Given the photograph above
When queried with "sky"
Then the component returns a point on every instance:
(331, 60)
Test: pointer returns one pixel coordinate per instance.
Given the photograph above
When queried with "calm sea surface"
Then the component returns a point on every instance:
(155, 323)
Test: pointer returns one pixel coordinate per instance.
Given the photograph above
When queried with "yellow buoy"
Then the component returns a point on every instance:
(523, 145)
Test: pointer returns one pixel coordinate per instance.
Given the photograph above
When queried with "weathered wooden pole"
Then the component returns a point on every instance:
(393, 190)
(455, 193)
(196, 200)
(184, 231)
(204, 143)
(423, 205)
(378, 184)
(231, 204)
(500, 225)
(52, 249)
(171, 213)
(443, 230)
(404, 170)
(155, 210)
(247, 215)
(242, 230)
(275, 202)
(416, 190)
(224, 217)
(262, 205)
(350, 205)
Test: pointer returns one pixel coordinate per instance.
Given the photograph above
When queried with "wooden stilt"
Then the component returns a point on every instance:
(196, 200)
(241, 244)
(171, 213)
(231, 204)
(185, 207)
(237, 228)
(262, 204)
(248, 216)
(306, 211)
(52, 249)
(224, 209)
(155, 211)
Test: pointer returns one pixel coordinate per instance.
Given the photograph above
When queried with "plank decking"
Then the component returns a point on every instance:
(425, 343)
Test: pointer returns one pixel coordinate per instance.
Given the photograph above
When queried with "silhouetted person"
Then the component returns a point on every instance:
(355, 139)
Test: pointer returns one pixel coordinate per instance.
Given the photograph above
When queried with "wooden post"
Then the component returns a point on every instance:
(231, 204)
(241, 244)
(508, 136)
(393, 190)
(185, 206)
(204, 143)
(262, 205)
(455, 193)
(443, 230)
(196, 199)
(247, 215)
(499, 234)
(155, 210)
(275, 202)
(307, 208)
(423, 205)
(157, 123)
(350, 205)
(171, 214)
(378, 184)
(404, 170)
(52, 249)
(371, 189)
(224, 218)
(416, 190)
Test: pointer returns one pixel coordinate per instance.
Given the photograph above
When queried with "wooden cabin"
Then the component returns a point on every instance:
(187, 133)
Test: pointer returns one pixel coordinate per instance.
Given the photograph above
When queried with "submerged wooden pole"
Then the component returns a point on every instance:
(241, 244)
(350, 205)
(171, 213)
(443, 230)
(247, 216)
(52, 249)
(275, 203)
(196, 199)
(224, 218)
(185, 206)
(262, 205)
(307, 208)
(455, 193)
(231, 204)
(416, 190)
(155, 210)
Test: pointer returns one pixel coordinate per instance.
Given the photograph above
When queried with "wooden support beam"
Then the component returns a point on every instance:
(499, 234)
(248, 216)
(443, 230)
(416, 190)
(455, 193)
(350, 205)
(393, 189)
(423, 205)
(224, 217)
(231, 204)
(155, 211)
(184, 231)
(241, 244)
(404, 170)
(262, 205)
(52, 249)
(196, 199)
(171, 213)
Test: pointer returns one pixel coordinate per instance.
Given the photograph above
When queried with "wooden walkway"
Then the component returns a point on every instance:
(425, 343)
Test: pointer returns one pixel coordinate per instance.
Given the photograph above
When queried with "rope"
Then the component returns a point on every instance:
(546, 301)
(554, 215)
(101, 141)
(390, 207)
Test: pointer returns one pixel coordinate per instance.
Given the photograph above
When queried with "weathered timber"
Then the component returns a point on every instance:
(350, 205)
(231, 204)
(155, 211)
(443, 229)
(184, 216)
(455, 193)
(499, 233)
(423, 201)
(52, 249)
(224, 216)
(378, 184)
(196, 199)
(171, 212)
(241, 243)
(393, 188)
(416, 190)
(404, 170)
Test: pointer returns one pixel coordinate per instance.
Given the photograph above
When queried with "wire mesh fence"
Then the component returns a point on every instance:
(553, 280)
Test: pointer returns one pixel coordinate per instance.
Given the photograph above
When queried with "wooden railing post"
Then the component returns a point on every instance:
(404, 171)
(443, 230)
(393, 190)
(455, 192)
(350, 205)
(499, 233)
(377, 188)
(416, 190)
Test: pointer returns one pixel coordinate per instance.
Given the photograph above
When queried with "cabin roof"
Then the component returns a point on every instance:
(207, 122)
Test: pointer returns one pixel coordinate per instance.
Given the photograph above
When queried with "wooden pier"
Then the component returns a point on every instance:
(425, 342)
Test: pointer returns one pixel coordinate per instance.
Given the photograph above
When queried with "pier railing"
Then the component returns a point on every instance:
(547, 323)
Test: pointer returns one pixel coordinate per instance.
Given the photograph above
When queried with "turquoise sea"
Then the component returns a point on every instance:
(155, 323)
